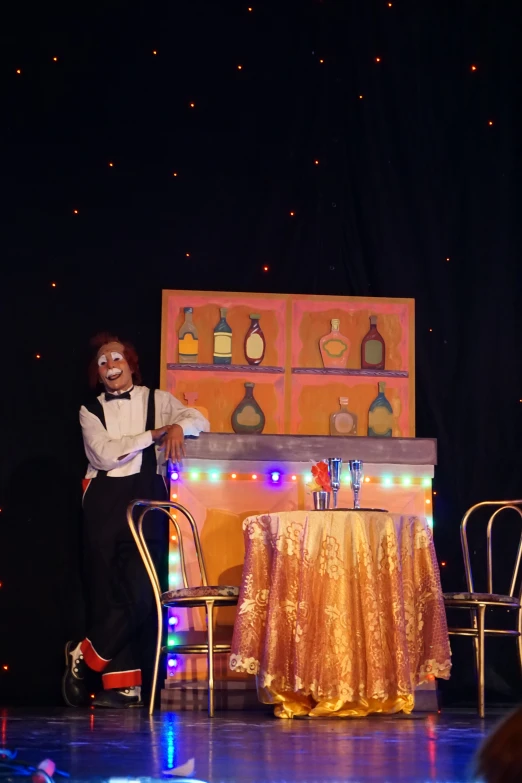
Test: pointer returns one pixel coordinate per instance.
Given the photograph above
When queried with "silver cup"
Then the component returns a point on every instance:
(335, 465)
(356, 476)
(321, 500)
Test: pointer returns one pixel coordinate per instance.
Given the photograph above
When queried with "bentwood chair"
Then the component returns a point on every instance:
(203, 595)
(476, 603)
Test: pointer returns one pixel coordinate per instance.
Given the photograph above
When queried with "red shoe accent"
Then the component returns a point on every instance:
(91, 657)
(120, 680)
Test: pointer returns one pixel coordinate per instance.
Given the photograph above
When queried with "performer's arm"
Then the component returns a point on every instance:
(191, 421)
(106, 453)
(181, 421)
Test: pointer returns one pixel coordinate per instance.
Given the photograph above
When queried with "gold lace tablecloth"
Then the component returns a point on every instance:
(340, 612)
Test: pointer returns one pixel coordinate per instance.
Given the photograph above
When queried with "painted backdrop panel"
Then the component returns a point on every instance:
(294, 389)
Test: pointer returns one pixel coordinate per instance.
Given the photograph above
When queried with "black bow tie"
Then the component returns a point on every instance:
(124, 396)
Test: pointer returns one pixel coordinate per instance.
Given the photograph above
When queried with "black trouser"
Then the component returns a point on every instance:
(122, 618)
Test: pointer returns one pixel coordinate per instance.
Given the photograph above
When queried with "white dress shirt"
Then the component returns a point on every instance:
(118, 449)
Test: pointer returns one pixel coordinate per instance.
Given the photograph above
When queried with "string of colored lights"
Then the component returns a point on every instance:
(377, 60)
(473, 68)
(276, 476)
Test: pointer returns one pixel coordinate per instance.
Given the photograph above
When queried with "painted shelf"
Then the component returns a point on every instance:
(227, 368)
(340, 371)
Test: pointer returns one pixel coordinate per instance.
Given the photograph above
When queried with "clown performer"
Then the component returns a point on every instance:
(129, 434)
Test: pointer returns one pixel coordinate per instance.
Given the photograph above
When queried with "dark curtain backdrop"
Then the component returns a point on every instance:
(409, 175)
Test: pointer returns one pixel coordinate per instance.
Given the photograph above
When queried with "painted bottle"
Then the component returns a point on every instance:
(248, 416)
(380, 416)
(334, 347)
(343, 422)
(188, 339)
(222, 340)
(373, 348)
(255, 342)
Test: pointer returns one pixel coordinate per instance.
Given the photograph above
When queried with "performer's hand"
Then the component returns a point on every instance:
(158, 434)
(174, 443)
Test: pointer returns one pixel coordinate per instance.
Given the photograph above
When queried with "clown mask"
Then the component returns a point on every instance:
(113, 368)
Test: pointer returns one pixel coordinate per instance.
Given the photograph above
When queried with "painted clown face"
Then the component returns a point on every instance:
(113, 368)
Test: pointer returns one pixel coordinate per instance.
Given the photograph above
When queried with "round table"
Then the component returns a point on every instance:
(340, 612)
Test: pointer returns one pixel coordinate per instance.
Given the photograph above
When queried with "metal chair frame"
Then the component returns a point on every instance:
(208, 603)
(477, 606)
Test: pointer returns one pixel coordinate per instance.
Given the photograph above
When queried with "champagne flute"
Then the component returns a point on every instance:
(356, 475)
(334, 469)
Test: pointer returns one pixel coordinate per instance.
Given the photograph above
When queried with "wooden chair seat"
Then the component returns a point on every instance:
(483, 598)
(201, 594)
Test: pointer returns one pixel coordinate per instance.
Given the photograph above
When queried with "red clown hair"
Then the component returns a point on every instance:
(129, 351)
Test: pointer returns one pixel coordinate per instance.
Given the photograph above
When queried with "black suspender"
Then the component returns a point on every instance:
(96, 408)
(148, 462)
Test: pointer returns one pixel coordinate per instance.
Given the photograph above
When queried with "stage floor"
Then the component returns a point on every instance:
(249, 747)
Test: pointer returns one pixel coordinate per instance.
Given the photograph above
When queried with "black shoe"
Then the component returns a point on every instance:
(118, 700)
(74, 691)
